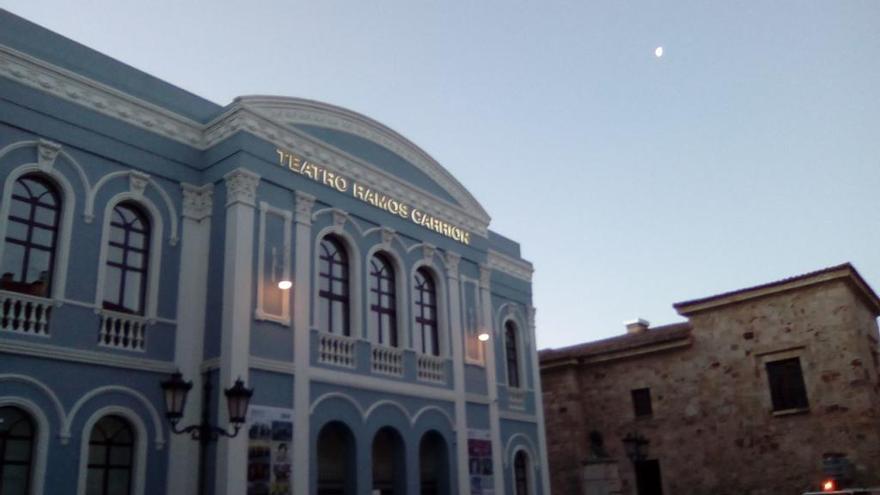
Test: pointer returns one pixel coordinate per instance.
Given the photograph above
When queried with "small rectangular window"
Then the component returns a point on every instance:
(642, 402)
(787, 388)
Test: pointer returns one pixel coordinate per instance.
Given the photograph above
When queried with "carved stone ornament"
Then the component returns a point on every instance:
(428, 251)
(339, 218)
(241, 187)
(47, 152)
(137, 182)
(197, 201)
(304, 205)
(387, 237)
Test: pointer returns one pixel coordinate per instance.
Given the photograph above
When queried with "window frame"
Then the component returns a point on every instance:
(513, 362)
(643, 405)
(123, 266)
(106, 466)
(382, 269)
(139, 473)
(345, 299)
(527, 478)
(32, 454)
(791, 399)
(421, 322)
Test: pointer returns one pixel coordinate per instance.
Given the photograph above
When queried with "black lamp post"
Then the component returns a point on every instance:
(238, 398)
(636, 447)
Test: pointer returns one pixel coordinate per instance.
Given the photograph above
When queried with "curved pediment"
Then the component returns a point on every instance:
(368, 141)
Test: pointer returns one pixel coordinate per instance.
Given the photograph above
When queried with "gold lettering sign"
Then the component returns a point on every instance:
(318, 173)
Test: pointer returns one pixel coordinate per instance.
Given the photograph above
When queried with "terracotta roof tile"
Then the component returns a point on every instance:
(656, 335)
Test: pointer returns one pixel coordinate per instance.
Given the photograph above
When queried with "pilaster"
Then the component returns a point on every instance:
(455, 328)
(189, 336)
(241, 190)
(491, 378)
(539, 405)
(301, 334)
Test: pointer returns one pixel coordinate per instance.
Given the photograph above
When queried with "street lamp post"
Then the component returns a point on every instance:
(238, 398)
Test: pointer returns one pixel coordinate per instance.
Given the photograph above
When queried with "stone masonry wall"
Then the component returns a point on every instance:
(713, 429)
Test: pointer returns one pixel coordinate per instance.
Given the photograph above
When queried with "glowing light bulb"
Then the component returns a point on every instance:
(285, 284)
(483, 337)
(658, 52)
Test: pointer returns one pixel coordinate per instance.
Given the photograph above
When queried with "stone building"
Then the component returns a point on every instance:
(319, 256)
(745, 397)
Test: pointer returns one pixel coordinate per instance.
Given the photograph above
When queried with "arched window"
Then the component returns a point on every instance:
(521, 473)
(426, 312)
(128, 252)
(16, 451)
(512, 354)
(383, 300)
(333, 289)
(31, 236)
(111, 457)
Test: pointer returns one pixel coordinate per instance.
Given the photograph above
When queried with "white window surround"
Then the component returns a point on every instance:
(400, 293)
(287, 216)
(531, 467)
(68, 205)
(41, 443)
(139, 468)
(442, 308)
(512, 315)
(151, 298)
(355, 287)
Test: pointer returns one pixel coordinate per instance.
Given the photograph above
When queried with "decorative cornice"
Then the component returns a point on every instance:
(268, 118)
(304, 205)
(197, 201)
(241, 187)
(49, 351)
(518, 268)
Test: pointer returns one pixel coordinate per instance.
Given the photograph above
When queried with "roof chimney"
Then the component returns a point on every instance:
(636, 326)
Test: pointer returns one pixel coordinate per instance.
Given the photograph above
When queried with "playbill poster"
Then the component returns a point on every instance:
(270, 449)
(480, 462)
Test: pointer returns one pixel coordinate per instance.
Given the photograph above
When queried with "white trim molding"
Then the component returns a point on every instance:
(159, 438)
(518, 268)
(260, 312)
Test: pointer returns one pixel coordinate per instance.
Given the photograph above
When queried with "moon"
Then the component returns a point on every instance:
(658, 52)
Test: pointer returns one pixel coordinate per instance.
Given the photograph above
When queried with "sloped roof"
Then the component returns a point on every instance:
(620, 344)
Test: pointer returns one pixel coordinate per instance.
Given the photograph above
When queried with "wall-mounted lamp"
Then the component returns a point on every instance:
(285, 284)
(483, 337)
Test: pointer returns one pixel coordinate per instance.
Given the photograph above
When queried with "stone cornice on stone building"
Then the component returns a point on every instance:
(844, 272)
(658, 339)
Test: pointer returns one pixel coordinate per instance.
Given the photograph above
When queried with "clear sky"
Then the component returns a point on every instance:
(749, 152)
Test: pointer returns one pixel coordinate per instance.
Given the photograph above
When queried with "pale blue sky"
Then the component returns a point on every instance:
(749, 152)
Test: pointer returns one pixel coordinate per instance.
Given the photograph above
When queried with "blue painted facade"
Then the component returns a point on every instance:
(229, 220)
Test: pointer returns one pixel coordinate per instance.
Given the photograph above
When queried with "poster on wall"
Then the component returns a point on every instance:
(480, 462)
(270, 438)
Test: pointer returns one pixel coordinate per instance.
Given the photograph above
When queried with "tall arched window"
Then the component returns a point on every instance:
(111, 457)
(383, 300)
(16, 451)
(128, 252)
(426, 312)
(333, 312)
(521, 473)
(31, 236)
(512, 353)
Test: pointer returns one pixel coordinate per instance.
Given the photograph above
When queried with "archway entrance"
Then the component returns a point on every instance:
(433, 465)
(336, 460)
(389, 463)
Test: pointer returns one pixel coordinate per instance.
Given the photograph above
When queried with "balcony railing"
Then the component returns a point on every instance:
(25, 314)
(431, 368)
(122, 331)
(336, 350)
(387, 360)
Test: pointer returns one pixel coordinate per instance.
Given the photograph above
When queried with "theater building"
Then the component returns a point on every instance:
(765, 390)
(330, 263)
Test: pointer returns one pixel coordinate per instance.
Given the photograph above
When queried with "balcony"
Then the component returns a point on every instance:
(25, 314)
(122, 331)
(431, 368)
(387, 360)
(336, 350)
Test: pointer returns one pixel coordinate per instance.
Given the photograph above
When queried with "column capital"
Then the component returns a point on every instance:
(452, 261)
(304, 204)
(197, 201)
(241, 187)
(485, 276)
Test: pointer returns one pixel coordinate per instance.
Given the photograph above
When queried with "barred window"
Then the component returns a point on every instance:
(31, 236)
(426, 312)
(128, 252)
(333, 292)
(383, 300)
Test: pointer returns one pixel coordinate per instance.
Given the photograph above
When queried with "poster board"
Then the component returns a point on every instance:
(270, 450)
(480, 463)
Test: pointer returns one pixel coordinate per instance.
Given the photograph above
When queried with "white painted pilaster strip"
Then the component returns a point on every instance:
(539, 404)
(492, 385)
(301, 334)
(455, 326)
(241, 189)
